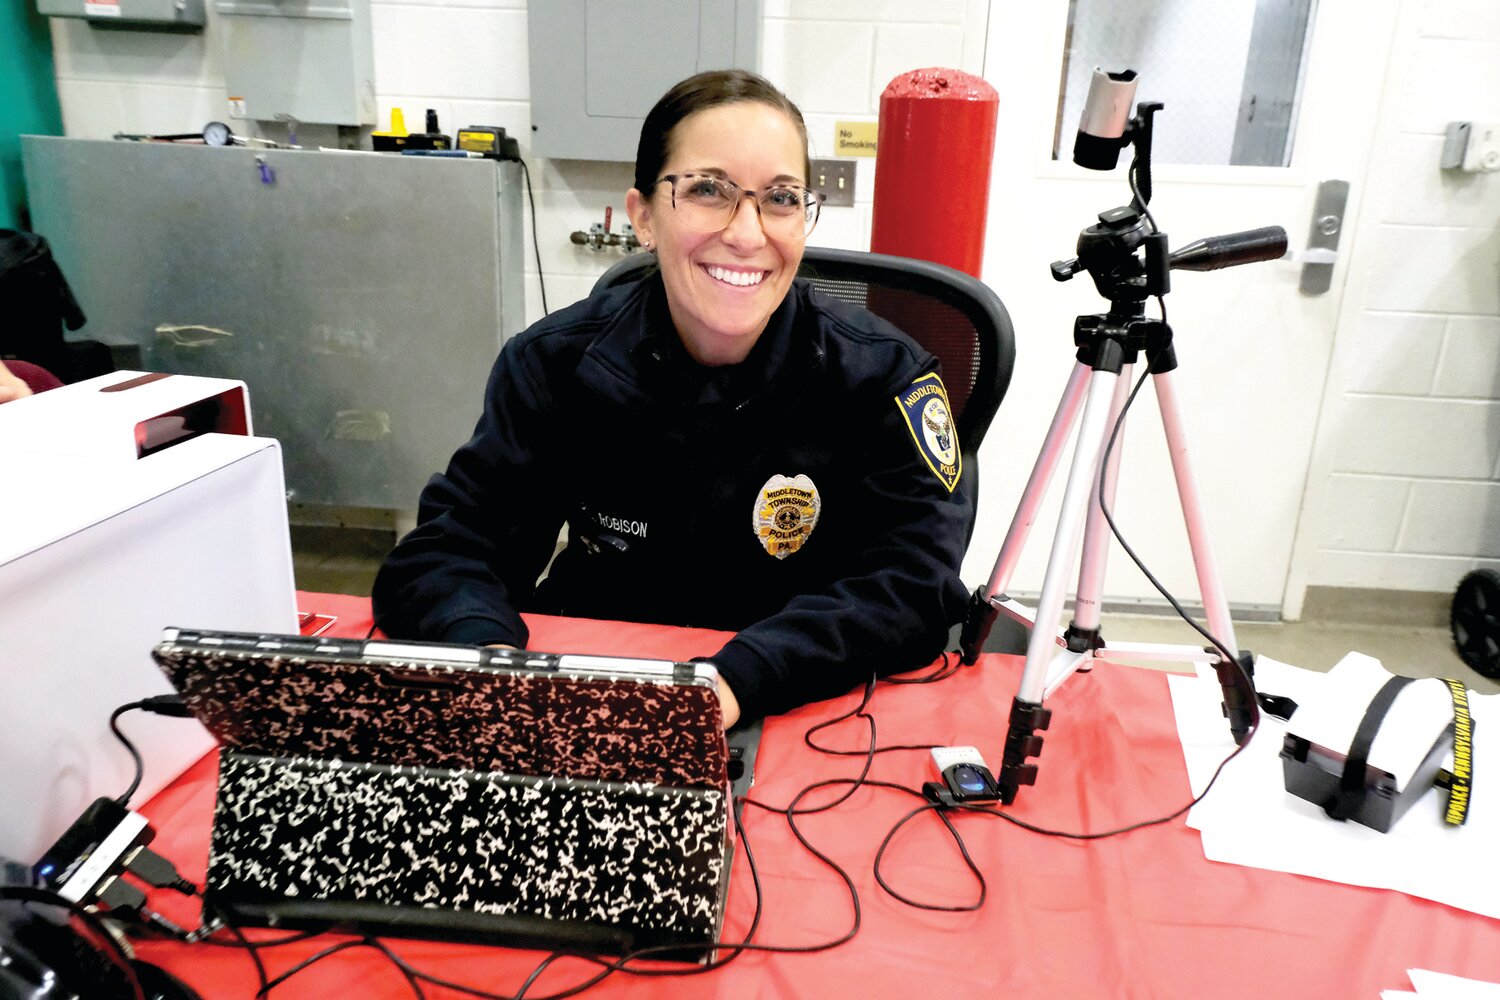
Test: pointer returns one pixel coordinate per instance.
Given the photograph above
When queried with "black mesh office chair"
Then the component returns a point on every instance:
(954, 315)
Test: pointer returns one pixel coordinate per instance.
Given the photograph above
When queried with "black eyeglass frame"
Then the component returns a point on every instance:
(812, 199)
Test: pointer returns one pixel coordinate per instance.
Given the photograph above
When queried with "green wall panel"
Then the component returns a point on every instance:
(28, 97)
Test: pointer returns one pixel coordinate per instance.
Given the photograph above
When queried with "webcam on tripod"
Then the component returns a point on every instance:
(1129, 260)
(1104, 126)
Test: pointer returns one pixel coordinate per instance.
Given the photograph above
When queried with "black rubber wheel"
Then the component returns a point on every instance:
(1476, 621)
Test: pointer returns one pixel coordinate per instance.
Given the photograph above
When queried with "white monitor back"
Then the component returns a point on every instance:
(96, 558)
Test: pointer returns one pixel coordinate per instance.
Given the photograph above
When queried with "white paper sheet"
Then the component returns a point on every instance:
(1441, 986)
(1250, 819)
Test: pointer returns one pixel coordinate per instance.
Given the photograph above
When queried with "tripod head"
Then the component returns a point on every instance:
(1110, 252)
(1124, 252)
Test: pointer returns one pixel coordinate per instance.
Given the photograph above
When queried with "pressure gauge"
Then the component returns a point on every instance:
(217, 134)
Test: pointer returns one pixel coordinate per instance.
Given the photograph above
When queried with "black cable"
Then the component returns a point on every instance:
(869, 755)
(1246, 682)
(254, 953)
(1135, 191)
(942, 814)
(244, 942)
(545, 964)
(315, 957)
(1141, 565)
(161, 704)
(807, 737)
(948, 669)
(411, 976)
(140, 765)
(1119, 537)
(446, 984)
(535, 243)
(266, 985)
(943, 810)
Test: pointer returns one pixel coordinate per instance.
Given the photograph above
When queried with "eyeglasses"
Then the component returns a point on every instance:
(708, 203)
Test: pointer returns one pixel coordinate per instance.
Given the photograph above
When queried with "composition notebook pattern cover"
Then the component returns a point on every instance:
(515, 713)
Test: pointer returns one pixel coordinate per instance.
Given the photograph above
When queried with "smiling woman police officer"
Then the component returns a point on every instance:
(728, 449)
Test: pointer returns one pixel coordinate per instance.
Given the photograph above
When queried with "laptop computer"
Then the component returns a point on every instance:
(427, 789)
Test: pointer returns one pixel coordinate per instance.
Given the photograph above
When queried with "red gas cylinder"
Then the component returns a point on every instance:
(932, 167)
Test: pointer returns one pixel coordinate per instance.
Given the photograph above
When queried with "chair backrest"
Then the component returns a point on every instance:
(954, 315)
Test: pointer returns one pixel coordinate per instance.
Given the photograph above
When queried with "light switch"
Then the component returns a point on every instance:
(835, 178)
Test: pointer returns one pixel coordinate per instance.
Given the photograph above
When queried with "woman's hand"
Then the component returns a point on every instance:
(11, 387)
(729, 704)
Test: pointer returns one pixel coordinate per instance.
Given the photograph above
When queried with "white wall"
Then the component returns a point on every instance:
(1405, 479)
(1405, 486)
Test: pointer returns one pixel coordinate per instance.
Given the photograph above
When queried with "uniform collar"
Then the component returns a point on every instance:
(643, 350)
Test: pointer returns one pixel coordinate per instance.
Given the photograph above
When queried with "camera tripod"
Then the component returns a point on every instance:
(1109, 346)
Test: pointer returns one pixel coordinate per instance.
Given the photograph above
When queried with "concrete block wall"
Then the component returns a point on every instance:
(1407, 486)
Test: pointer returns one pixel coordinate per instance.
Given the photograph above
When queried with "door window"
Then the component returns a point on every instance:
(1229, 72)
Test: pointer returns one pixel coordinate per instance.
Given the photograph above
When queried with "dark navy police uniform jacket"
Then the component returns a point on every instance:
(811, 498)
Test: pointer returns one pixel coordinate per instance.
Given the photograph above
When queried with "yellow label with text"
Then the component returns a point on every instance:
(855, 138)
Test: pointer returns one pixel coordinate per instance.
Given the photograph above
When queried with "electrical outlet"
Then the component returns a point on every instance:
(835, 178)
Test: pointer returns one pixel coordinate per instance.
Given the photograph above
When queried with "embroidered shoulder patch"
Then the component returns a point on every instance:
(924, 407)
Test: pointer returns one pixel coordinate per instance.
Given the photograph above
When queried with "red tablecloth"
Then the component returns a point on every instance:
(1142, 915)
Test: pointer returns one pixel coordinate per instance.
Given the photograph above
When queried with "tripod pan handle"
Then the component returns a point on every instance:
(1231, 249)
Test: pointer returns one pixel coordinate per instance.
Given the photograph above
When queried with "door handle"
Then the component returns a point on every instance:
(1323, 238)
(1313, 255)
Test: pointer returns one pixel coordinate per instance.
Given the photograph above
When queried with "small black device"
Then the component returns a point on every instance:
(432, 138)
(490, 140)
(964, 774)
(969, 782)
(92, 850)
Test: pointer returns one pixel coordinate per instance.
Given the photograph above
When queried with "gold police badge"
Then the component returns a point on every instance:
(786, 511)
(924, 406)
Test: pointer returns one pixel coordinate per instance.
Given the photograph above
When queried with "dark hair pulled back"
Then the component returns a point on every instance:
(698, 93)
